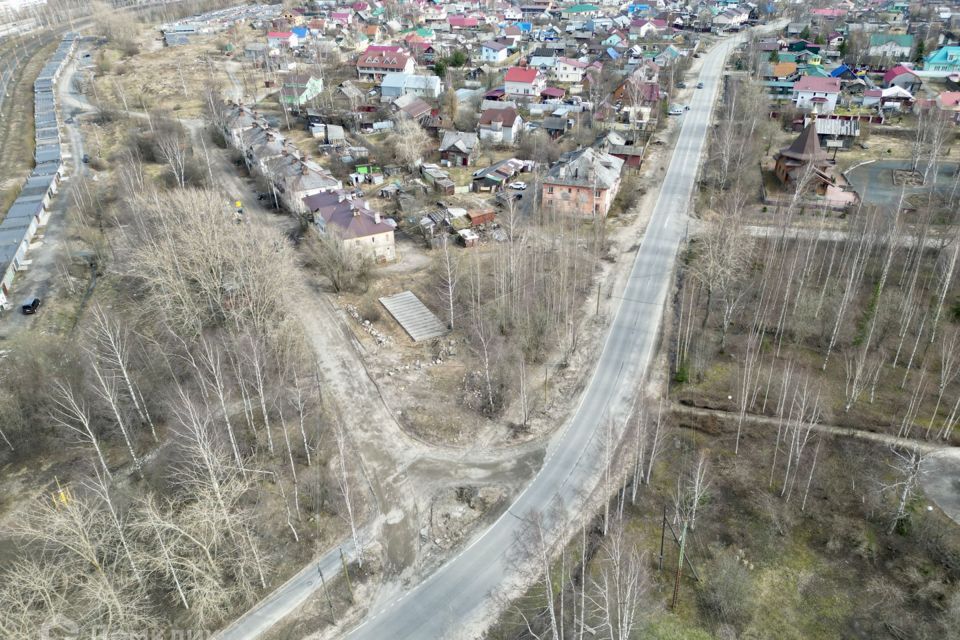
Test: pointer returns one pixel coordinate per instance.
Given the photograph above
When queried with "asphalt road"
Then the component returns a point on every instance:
(449, 602)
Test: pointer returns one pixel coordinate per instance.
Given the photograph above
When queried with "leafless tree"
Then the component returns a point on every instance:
(343, 479)
(449, 275)
(174, 149)
(345, 266)
(620, 588)
(409, 141)
(907, 467)
(71, 412)
(112, 347)
(203, 270)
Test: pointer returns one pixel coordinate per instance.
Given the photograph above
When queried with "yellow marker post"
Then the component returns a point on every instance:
(62, 496)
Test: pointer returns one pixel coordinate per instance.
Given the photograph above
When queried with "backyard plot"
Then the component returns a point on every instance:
(418, 321)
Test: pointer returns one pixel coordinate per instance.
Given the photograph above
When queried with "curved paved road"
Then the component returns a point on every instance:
(449, 602)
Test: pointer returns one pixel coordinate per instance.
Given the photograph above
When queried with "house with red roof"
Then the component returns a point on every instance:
(949, 102)
(278, 39)
(647, 28)
(524, 83)
(378, 61)
(342, 17)
(903, 77)
(462, 22)
(830, 14)
(821, 94)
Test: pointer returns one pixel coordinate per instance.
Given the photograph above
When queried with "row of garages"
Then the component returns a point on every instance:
(32, 207)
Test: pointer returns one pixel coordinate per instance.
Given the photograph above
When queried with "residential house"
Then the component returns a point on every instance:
(395, 85)
(580, 11)
(569, 70)
(358, 226)
(890, 46)
(647, 28)
(494, 52)
(821, 94)
(500, 126)
(524, 83)
(584, 182)
(543, 58)
(669, 54)
(298, 90)
(279, 39)
(901, 76)
(295, 178)
(379, 60)
(425, 53)
(458, 148)
(944, 59)
(462, 22)
(412, 107)
(730, 19)
(948, 102)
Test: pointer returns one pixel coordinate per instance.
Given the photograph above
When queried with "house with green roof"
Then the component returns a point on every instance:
(582, 11)
(944, 59)
(890, 46)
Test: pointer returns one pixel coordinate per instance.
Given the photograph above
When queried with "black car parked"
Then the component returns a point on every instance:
(30, 306)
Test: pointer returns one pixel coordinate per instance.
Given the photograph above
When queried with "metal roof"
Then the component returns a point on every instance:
(418, 321)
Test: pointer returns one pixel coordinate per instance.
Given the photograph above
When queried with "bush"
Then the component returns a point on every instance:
(727, 593)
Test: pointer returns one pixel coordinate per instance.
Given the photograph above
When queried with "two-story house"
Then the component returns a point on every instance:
(299, 89)
(359, 227)
(890, 46)
(500, 126)
(569, 70)
(944, 59)
(279, 39)
(524, 83)
(494, 52)
(811, 93)
(379, 60)
(584, 183)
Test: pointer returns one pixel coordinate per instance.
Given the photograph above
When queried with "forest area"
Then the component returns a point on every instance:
(168, 455)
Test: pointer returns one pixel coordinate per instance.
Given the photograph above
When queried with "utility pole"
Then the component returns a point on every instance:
(346, 573)
(325, 591)
(676, 583)
(663, 533)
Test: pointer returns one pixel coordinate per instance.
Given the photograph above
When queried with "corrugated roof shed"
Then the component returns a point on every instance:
(418, 321)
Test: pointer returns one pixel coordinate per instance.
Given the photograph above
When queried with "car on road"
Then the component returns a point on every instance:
(30, 306)
(86, 158)
(681, 85)
(519, 186)
(675, 110)
(699, 85)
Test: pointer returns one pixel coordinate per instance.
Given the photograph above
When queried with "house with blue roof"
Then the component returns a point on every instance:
(945, 59)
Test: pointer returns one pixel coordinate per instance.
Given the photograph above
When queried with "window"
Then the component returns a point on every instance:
(550, 190)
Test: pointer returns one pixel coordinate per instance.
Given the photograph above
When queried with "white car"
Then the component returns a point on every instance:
(519, 186)
(675, 110)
